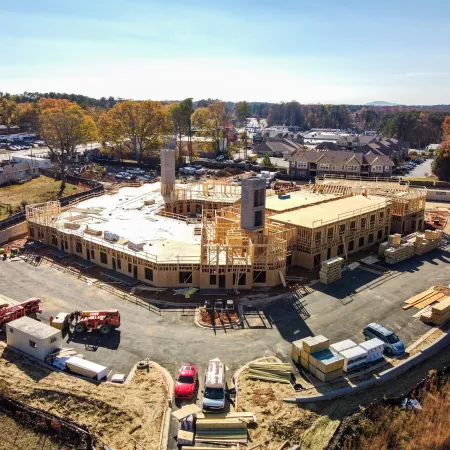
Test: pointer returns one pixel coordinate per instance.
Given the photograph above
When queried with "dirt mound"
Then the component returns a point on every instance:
(112, 412)
(277, 421)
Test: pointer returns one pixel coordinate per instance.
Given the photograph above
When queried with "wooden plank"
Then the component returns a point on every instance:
(186, 411)
(282, 278)
(429, 300)
(417, 297)
(410, 305)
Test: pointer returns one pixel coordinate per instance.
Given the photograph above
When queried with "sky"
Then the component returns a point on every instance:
(316, 51)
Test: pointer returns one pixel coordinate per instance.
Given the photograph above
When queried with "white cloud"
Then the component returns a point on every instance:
(426, 74)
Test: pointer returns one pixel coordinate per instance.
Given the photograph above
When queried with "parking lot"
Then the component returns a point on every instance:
(339, 311)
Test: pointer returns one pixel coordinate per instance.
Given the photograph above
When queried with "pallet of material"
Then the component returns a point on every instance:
(437, 314)
(420, 296)
(93, 232)
(326, 361)
(71, 226)
(394, 255)
(315, 344)
(274, 372)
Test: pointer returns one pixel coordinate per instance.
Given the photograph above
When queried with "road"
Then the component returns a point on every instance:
(420, 170)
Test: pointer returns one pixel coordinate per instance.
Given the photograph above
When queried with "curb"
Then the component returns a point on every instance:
(164, 436)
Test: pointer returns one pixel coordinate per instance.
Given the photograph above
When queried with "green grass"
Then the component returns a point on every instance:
(38, 190)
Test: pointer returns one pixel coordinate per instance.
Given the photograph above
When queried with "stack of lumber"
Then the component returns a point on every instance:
(394, 255)
(71, 226)
(274, 372)
(92, 232)
(248, 417)
(426, 298)
(394, 240)
(433, 234)
(424, 243)
(438, 314)
(149, 202)
(222, 429)
(331, 270)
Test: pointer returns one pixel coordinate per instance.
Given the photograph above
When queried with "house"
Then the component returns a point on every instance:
(432, 149)
(279, 148)
(32, 337)
(13, 173)
(352, 141)
(313, 163)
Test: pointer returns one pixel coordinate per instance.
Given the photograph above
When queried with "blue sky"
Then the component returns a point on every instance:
(325, 51)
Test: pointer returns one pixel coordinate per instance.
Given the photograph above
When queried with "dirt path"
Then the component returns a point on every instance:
(114, 413)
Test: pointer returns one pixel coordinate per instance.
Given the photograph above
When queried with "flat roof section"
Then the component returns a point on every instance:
(34, 328)
(298, 199)
(340, 209)
(127, 215)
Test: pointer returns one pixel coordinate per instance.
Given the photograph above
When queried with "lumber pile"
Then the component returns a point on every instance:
(394, 241)
(274, 372)
(426, 298)
(438, 314)
(71, 226)
(221, 430)
(393, 255)
(331, 270)
(92, 232)
(424, 243)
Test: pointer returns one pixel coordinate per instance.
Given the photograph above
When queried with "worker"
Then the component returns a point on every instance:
(50, 319)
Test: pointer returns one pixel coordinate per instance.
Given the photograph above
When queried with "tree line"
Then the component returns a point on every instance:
(441, 163)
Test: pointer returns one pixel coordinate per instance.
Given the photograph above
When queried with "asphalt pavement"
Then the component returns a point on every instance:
(420, 170)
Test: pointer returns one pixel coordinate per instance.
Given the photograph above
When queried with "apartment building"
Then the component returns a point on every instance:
(316, 163)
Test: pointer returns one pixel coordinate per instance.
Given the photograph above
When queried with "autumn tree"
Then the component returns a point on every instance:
(441, 163)
(64, 126)
(28, 114)
(180, 119)
(110, 133)
(140, 124)
(212, 121)
(8, 113)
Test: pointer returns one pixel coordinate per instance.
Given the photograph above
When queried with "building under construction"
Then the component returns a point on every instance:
(215, 235)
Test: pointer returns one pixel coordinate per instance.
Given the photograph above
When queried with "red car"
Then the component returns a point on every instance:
(186, 382)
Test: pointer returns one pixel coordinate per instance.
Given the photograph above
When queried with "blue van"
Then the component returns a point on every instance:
(393, 345)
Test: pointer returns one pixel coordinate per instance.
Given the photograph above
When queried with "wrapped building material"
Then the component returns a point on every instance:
(374, 348)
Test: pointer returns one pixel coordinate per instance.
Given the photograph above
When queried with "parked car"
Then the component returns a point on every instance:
(393, 345)
(186, 382)
(220, 158)
(215, 386)
(121, 175)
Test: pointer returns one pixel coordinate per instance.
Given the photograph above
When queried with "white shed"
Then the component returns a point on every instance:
(32, 337)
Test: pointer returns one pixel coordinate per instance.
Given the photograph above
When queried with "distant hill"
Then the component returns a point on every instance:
(381, 104)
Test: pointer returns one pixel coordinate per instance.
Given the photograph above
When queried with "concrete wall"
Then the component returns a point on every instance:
(13, 232)
(251, 187)
(435, 195)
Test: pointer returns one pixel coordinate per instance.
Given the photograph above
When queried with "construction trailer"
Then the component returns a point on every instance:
(33, 338)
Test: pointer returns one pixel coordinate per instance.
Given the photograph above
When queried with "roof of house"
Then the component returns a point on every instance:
(367, 139)
(341, 157)
(290, 143)
(327, 146)
(276, 147)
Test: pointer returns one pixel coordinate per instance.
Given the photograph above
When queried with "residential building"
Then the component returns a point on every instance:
(13, 173)
(314, 163)
(432, 149)
(279, 148)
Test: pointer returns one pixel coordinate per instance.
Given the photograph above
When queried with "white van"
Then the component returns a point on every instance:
(215, 386)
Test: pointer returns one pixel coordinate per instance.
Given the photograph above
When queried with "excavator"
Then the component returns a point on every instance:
(103, 321)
